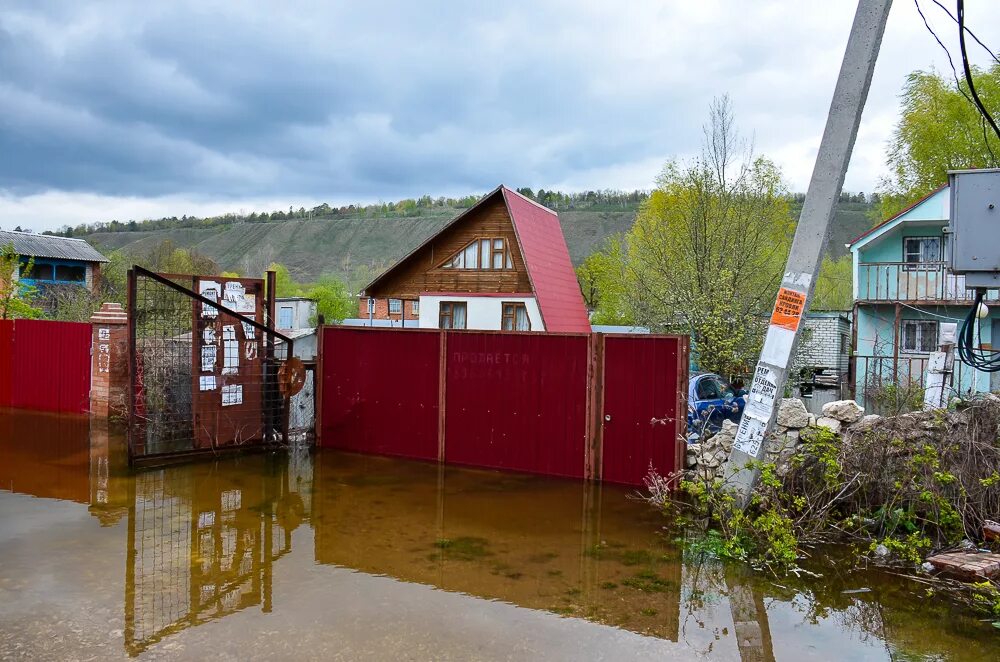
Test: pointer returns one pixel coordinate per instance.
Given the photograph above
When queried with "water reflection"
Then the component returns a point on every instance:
(203, 541)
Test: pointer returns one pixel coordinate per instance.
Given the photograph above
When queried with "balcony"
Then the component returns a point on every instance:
(911, 282)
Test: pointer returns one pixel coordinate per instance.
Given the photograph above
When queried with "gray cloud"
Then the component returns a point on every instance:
(215, 100)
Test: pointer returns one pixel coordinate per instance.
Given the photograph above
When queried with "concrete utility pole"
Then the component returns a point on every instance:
(810, 239)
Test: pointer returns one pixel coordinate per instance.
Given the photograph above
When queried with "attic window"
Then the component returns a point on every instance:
(492, 253)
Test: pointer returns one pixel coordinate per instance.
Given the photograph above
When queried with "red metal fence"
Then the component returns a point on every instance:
(45, 366)
(573, 405)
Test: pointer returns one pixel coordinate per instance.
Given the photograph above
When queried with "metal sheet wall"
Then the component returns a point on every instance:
(644, 385)
(49, 366)
(525, 402)
(380, 391)
(517, 401)
(6, 361)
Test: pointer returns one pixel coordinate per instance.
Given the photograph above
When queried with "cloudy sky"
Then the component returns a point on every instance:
(144, 109)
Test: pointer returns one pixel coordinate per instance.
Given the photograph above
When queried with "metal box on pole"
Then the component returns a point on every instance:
(975, 226)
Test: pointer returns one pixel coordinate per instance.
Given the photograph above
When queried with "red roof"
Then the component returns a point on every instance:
(547, 259)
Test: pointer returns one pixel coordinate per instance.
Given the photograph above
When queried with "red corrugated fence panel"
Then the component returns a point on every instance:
(517, 401)
(51, 366)
(380, 391)
(6, 361)
(644, 379)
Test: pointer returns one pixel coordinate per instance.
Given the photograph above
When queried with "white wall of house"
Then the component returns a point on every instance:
(482, 312)
(293, 313)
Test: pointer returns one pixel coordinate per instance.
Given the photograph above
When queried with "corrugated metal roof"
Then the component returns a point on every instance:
(547, 258)
(43, 245)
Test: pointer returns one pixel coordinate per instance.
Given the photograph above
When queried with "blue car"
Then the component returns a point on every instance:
(712, 400)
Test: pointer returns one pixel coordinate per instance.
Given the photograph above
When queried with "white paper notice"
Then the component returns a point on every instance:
(206, 383)
(229, 332)
(208, 358)
(248, 331)
(230, 357)
(250, 350)
(777, 346)
(232, 395)
(763, 392)
(210, 290)
(208, 335)
(750, 435)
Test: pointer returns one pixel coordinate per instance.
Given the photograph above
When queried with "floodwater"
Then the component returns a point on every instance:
(333, 555)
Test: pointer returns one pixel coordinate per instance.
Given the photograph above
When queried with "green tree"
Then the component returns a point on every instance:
(333, 301)
(284, 284)
(15, 296)
(707, 250)
(833, 285)
(938, 130)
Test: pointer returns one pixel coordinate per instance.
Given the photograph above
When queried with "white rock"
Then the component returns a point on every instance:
(792, 413)
(866, 422)
(792, 438)
(831, 424)
(846, 411)
(881, 551)
(812, 421)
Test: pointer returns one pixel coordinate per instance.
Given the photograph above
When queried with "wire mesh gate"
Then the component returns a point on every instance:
(208, 372)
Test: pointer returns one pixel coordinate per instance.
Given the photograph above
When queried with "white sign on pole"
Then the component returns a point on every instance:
(763, 391)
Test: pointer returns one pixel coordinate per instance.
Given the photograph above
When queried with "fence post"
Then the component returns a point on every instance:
(594, 450)
(442, 393)
(109, 358)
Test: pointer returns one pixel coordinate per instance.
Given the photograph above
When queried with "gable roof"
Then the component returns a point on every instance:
(871, 233)
(44, 245)
(546, 258)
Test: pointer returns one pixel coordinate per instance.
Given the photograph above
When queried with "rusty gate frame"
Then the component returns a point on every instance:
(267, 331)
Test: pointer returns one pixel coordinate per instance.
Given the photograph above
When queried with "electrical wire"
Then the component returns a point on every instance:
(968, 69)
(954, 71)
(971, 33)
(969, 351)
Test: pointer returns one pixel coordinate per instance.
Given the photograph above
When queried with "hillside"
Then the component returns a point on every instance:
(349, 246)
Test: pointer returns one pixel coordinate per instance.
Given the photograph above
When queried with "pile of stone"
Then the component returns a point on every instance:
(706, 460)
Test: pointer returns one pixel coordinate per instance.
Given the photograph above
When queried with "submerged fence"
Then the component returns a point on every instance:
(575, 405)
(45, 366)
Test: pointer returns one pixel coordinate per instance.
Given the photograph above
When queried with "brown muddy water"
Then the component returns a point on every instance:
(332, 555)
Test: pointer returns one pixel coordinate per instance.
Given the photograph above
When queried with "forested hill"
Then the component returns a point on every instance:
(356, 242)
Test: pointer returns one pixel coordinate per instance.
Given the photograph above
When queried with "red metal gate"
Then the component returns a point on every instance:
(380, 391)
(644, 406)
(45, 366)
(531, 402)
(517, 401)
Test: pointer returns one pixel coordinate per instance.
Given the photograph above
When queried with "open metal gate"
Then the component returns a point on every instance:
(207, 370)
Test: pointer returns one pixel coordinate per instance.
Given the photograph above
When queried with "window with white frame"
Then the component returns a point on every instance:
(371, 306)
(919, 336)
(415, 307)
(918, 252)
(395, 306)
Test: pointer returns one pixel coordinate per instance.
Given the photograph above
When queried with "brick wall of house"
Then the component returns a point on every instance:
(825, 343)
(382, 310)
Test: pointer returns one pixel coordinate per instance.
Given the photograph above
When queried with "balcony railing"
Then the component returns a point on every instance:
(903, 377)
(913, 282)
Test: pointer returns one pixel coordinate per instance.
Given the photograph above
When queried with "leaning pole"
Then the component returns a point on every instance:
(804, 258)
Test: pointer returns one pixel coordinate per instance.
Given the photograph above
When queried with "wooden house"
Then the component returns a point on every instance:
(502, 264)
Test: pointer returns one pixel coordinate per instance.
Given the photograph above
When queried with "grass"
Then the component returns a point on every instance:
(466, 548)
(648, 581)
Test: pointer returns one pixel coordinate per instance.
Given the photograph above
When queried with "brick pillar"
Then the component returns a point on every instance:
(109, 361)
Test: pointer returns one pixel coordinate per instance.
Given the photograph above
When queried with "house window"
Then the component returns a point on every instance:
(451, 315)
(415, 307)
(919, 336)
(491, 253)
(515, 317)
(371, 306)
(285, 317)
(919, 251)
(395, 306)
(71, 274)
(39, 271)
